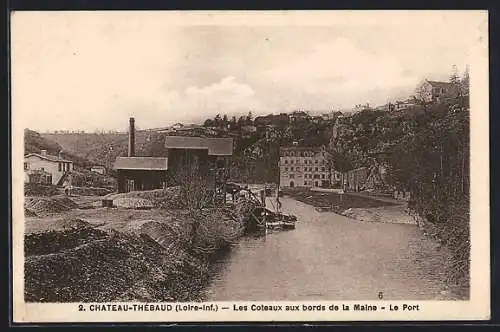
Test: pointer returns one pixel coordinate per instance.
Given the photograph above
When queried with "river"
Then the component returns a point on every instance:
(332, 257)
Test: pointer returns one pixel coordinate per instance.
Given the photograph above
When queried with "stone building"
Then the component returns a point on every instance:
(435, 92)
(306, 167)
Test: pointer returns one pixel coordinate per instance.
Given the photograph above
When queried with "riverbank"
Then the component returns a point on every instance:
(356, 206)
(331, 257)
(90, 253)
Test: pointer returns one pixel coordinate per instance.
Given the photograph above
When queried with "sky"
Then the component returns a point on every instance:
(93, 70)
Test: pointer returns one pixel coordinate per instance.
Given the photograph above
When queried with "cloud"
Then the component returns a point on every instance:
(227, 96)
(339, 71)
(226, 91)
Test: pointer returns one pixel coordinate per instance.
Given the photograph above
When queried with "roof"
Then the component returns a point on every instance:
(444, 85)
(38, 171)
(54, 159)
(215, 146)
(141, 163)
(302, 148)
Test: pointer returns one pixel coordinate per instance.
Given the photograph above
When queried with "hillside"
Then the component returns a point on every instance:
(105, 147)
(82, 176)
(35, 143)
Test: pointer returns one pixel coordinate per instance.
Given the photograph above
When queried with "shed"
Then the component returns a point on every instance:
(141, 173)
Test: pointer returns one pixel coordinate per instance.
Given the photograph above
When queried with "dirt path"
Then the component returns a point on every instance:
(329, 256)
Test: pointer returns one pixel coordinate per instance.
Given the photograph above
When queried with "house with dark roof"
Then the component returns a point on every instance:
(434, 91)
(140, 173)
(55, 169)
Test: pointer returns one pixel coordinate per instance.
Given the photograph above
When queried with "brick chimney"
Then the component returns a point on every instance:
(43, 153)
(61, 155)
(131, 138)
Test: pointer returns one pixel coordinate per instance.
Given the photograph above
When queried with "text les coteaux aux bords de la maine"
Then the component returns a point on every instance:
(246, 307)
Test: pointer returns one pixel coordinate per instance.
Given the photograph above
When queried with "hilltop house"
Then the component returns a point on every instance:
(297, 116)
(434, 91)
(98, 169)
(47, 169)
(406, 104)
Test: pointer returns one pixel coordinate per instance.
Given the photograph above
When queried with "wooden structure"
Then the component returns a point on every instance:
(200, 158)
(141, 173)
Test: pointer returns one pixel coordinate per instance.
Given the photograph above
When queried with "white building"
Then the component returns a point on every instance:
(98, 169)
(58, 167)
(306, 167)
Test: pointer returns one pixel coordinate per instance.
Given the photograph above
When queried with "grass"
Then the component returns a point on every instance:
(337, 202)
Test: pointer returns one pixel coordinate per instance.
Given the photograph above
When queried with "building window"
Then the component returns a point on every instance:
(286, 169)
(291, 176)
(316, 169)
(323, 154)
(316, 161)
(322, 176)
(297, 168)
(322, 169)
(60, 167)
(25, 166)
(291, 168)
(286, 161)
(291, 161)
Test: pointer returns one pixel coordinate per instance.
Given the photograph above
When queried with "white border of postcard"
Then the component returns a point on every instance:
(477, 308)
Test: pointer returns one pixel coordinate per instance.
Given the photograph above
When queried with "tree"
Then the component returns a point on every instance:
(249, 118)
(225, 121)
(454, 75)
(241, 121)
(208, 123)
(464, 86)
(217, 120)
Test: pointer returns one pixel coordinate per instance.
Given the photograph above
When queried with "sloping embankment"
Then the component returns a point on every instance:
(165, 258)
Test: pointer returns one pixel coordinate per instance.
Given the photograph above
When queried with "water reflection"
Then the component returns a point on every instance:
(330, 257)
